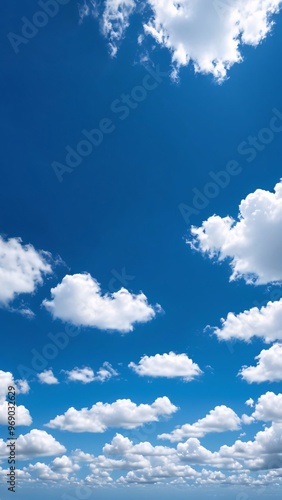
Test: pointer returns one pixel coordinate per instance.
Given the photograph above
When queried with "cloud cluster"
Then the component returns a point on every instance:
(122, 413)
(209, 35)
(78, 299)
(122, 462)
(253, 244)
(22, 268)
(169, 365)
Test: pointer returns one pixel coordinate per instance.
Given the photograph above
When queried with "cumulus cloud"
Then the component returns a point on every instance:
(84, 375)
(167, 365)
(122, 413)
(209, 35)
(268, 368)
(22, 268)
(23, 416)
(34, 444)
(269, 408)
(253, 244)
(87, 375)
(220, 419)
(264, 323)
(78, 299)
(47, 377)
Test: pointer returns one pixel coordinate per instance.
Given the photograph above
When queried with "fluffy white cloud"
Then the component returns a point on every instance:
(78, 300)
(23, 416)
(263, 323)
(21, 268)
(87, 375)
(253, 243)
(220, 419)
(208, 35)
(269, 366)
(269, 408)
(34, 444)
(167, 365)
(65, 465)
(122, 413)
(47, 377)
(250, 402)
(84, 375)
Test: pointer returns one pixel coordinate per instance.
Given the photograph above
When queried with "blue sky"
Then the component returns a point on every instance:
(133, 257)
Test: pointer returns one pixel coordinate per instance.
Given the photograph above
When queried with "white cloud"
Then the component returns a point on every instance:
(22, 415)
(263, 323)
(167, 365)
(247, 419)
(122, 413)
(21, 268)
(106, 372)
(210, 35)
(84, 375)
(22, 386)
(115, 20)
(80, 456)
(253, 243)
(268, 368)
(64, 465)
(47, 377)
(269, 408)
(220, 419)
(87, 375)
(34, 444)
(250, 402)
(78, 300)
